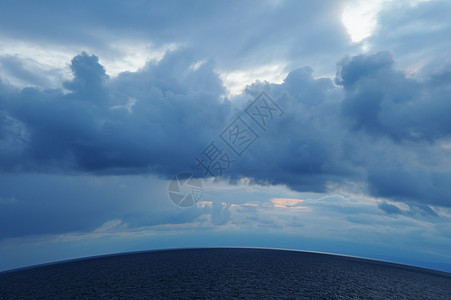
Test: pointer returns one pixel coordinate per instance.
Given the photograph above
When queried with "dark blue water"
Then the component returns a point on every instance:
(225, 273)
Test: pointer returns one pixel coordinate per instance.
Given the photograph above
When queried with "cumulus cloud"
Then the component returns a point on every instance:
(382, 100)
(91, 128)
(378, 127)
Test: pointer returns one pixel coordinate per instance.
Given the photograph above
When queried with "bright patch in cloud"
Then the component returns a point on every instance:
(360, 18)
(133, 55)
(237, 81)
(49, 57)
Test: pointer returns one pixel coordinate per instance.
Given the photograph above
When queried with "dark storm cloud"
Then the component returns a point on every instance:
(383, 101)
(411, 184)
(381, 129)
(304, 145)
(92, 128)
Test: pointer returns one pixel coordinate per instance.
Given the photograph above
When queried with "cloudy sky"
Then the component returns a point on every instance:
(348, 149)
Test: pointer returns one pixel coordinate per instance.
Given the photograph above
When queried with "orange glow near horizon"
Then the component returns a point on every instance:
(288, 203)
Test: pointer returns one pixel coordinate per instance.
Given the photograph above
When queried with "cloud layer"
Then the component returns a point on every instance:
(372, 126)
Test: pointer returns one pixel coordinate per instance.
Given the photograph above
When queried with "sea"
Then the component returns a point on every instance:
(224, 273)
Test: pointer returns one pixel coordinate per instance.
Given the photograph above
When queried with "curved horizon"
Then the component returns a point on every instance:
(218, 247)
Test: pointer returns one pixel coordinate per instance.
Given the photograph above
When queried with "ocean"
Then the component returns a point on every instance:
(225, 273)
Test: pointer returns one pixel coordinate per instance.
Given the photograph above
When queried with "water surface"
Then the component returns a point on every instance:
(224, 273)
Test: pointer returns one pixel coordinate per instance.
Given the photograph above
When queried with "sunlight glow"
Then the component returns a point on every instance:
(236, 81)
(360, 18)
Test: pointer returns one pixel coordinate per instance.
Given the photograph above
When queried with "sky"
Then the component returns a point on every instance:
(311, 125)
